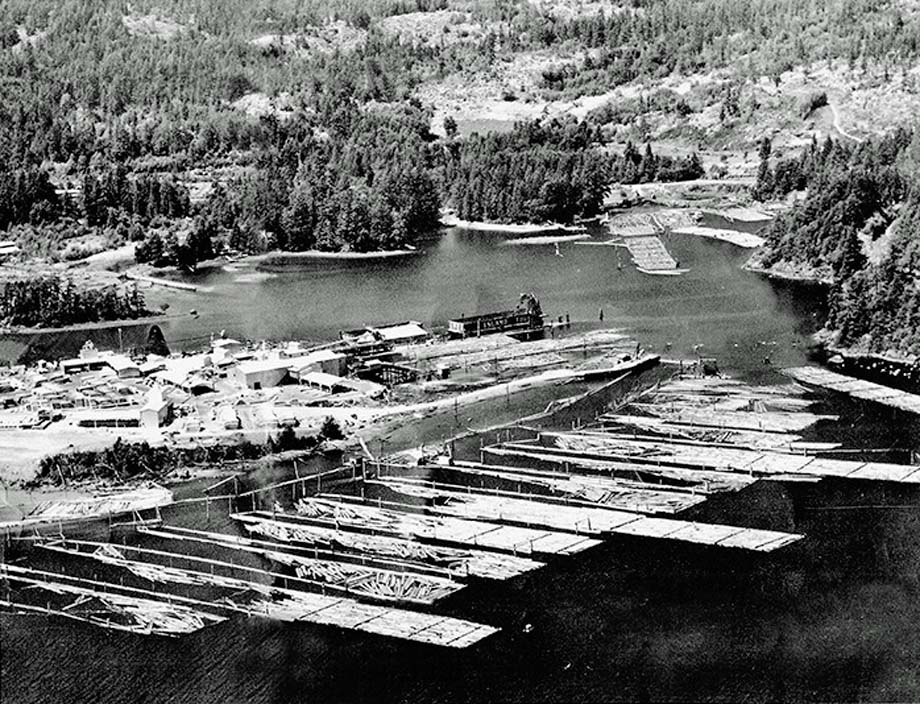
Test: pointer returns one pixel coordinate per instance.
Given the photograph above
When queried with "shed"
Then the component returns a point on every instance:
(326, 361)
(123, 366)
(403, 333)
(327, 382)
(260, 373)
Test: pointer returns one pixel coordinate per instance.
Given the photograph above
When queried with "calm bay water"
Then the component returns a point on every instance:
(735, 315)
(835, 617)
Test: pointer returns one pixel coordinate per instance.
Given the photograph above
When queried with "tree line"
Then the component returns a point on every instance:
(537, 172)
(856, 194)
(51, 301)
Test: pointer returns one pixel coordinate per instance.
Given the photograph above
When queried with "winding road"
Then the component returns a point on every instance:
(839, 127)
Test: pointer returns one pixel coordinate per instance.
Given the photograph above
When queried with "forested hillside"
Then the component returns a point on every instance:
(857, 228)
(192, 127)
(160, 87)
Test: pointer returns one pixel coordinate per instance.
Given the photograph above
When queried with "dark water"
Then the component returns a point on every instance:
(835, 617)
(735, 315)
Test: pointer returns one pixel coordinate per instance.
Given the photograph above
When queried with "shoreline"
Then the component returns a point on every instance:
(783, 275)
(735, 237)
(511, 228)
(99, 325)
(545, 239)
(280, 257)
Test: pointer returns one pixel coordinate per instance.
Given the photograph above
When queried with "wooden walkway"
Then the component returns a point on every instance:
(857, 388)
(602, 522)
(452, 531)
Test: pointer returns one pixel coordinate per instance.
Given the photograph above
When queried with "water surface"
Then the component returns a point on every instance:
(717, 309)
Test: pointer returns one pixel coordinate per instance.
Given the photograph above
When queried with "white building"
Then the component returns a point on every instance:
(155, 413)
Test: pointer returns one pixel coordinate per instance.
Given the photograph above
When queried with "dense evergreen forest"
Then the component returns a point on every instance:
(51, 301)
(551, 171)
(856, 228)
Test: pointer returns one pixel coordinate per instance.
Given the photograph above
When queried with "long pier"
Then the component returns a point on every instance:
(461, 562)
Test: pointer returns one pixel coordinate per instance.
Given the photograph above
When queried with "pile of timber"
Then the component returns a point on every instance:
(84, 508)
(104, 604)
(654, 475)
(397, 521)
(597, 492)
(459, 562)
(333, 576)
